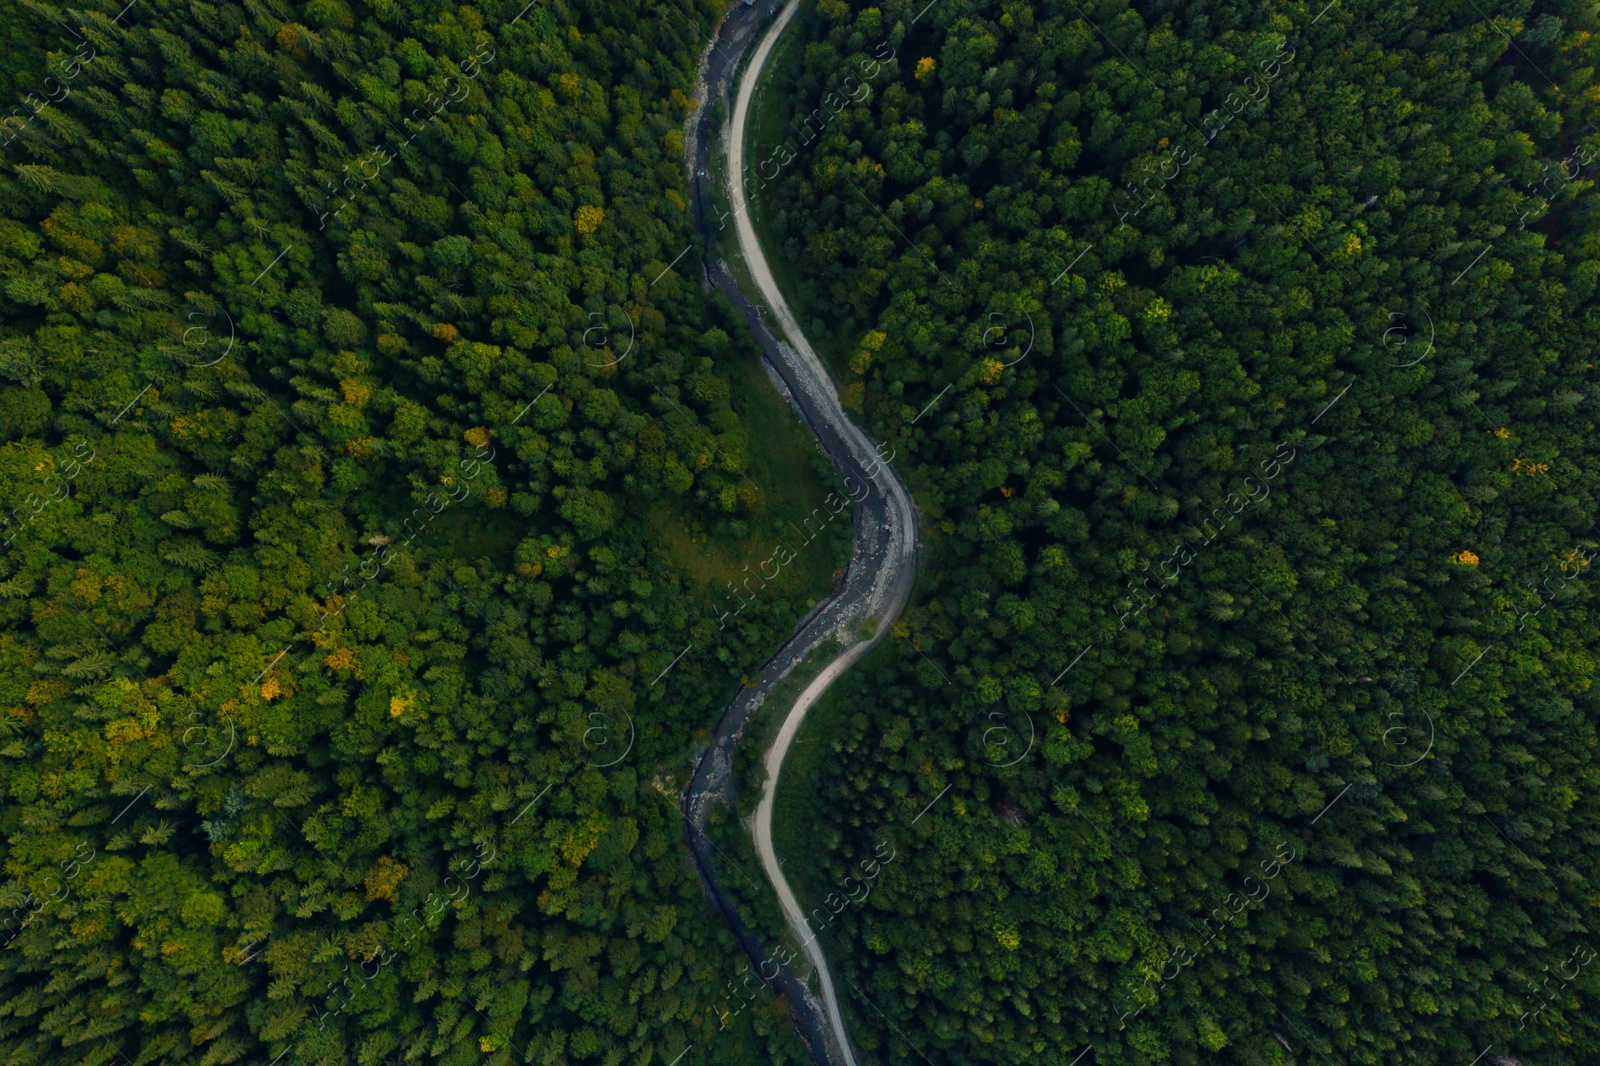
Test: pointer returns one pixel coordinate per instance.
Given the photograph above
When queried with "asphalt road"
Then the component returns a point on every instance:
(879, 579)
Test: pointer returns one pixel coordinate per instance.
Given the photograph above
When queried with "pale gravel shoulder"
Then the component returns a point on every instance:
(892, 586)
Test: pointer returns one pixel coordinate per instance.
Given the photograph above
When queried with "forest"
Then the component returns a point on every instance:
(373, 459)
(1241, 358)
(380, 490)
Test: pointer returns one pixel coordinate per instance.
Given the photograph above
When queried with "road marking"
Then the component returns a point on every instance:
(681, 1054)
(1084, 1052)
(936, 799)
(1336, 799)
(1481, 1054)
(1324, 11)
(281, 1054)
(531, 802)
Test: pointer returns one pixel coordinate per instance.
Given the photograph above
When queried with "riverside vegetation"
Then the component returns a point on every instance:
(1355, 235)
(366, 463)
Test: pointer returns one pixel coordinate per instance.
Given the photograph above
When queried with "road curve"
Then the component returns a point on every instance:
(896, 569)
(876, 584)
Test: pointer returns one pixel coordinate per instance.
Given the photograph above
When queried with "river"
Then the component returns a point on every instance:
(878, 581)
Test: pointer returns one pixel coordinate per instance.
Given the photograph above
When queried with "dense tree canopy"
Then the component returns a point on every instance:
(1276, 540)
(357, 438)
(372, 462)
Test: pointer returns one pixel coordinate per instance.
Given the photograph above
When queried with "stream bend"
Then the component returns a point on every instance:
(878, 581)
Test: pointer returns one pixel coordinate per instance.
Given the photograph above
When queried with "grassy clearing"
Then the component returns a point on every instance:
(467, 535)
(782, 460)
(795, 479)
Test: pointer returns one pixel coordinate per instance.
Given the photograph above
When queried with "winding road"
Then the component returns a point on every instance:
(893, 580)
(880, 576)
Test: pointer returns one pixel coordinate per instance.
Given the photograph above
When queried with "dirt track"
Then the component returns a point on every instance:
(889, 577)
(879, 578)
